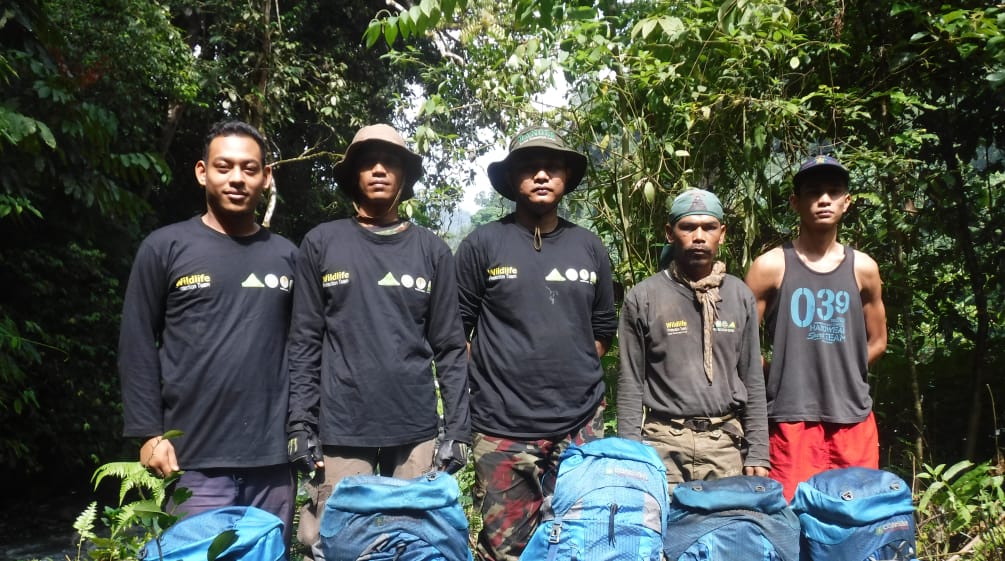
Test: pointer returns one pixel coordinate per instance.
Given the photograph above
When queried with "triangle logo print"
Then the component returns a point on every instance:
(554, 275)
(388, 280)
(252, 282)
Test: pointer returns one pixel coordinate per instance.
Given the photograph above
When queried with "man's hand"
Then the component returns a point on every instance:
(451, 456)
(303, 449)
(757, 470)
(157, 455)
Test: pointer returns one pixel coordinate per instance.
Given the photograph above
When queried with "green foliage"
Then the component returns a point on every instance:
(58, 138)
(134, 476)
(961, 511)
(220, 544)
(16, 394)
(69, 174)
(68, 351)
(15, 206)
(128, 527)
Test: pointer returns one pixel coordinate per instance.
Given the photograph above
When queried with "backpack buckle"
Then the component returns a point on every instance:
(556, 532)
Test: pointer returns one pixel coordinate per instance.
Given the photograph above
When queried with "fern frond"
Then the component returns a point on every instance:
(84, 524)
(133, 476)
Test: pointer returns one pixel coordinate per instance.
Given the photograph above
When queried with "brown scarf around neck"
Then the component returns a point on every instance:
(706, 291)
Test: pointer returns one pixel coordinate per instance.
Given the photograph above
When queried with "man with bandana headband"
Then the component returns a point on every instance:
(691, 383)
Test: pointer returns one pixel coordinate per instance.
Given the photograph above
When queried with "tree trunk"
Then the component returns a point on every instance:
(966, 244)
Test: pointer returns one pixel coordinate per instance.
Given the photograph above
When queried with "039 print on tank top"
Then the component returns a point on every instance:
(822, 313)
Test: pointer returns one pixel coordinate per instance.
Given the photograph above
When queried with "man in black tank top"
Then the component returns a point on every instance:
(822, 307)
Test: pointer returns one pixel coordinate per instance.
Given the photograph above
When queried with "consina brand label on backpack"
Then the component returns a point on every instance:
(729, 519)
(610, 504)
(856, 514)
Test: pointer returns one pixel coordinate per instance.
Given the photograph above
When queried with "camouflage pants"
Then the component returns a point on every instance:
(512, 477)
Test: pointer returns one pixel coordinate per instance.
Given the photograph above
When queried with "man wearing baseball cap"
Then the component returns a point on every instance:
(537, 303)
(822, 306)
(691, 383)
(376, 308)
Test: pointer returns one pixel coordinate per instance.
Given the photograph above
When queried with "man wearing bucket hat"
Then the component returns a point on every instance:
(691, 383)
(822, 306)
(377, 307)
(537, 302)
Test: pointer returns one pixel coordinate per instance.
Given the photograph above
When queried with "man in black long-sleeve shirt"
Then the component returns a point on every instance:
(203, 339)
(537, 301)
(376, 307)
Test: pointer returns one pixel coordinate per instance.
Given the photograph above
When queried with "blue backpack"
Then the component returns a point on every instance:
(856, 514)
(243, 533)
(740, 517)
(377, 518)
(610, 503)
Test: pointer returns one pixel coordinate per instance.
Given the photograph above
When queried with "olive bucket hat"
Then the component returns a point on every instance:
(346, 172)
(536, 138)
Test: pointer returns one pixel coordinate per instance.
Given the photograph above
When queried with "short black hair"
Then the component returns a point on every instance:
(232, 128)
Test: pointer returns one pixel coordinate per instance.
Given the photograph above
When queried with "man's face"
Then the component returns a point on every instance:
(381, 174)
(233, 175)
(540, 179)
(822, 200)
(696, 240)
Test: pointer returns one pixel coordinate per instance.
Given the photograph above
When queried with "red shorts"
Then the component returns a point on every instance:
(801, 450)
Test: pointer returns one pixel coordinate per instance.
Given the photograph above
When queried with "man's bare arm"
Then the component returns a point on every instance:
(870, 287)
(765, 278)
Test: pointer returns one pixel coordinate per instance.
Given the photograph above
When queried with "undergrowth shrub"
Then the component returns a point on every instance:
(961, 512)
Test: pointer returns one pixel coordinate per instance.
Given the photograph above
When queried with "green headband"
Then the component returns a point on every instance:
(695, 201)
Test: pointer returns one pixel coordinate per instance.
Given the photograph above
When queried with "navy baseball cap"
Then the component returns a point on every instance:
(819, 165)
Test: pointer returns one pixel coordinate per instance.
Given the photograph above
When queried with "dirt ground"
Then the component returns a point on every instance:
(40, 529)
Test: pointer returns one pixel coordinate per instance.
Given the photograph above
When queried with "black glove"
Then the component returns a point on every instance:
(303, 449)
(451, 456)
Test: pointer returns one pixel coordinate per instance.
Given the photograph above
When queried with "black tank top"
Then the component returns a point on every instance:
(819, 364)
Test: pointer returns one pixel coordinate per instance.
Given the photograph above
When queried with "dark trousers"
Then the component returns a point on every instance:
(269, 488)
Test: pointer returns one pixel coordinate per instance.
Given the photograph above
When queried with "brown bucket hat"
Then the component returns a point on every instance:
(346, 172)
(539, 138)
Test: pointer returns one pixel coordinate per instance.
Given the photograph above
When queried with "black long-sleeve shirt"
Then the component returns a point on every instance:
(534, 317)
(371, 314)
(201, 349)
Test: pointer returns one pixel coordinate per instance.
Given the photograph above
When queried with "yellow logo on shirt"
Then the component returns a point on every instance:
(335, 278)
(191, 282)
(676, 327)
(502, 272)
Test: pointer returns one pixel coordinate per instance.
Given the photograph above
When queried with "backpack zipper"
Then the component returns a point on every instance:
(610, 523)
